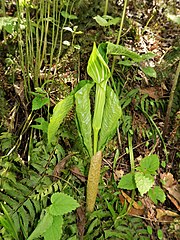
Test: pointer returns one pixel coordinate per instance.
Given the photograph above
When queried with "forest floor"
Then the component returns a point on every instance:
(144, 100)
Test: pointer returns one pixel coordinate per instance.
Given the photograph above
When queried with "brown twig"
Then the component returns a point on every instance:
(166, 123)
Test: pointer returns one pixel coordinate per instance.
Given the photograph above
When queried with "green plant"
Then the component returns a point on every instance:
(50, 225)
(107, 112)
(143, 179)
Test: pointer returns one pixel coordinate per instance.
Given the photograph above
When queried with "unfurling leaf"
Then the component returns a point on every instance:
(112, 113)
(83, 112)
(97, 68)
(59, 113)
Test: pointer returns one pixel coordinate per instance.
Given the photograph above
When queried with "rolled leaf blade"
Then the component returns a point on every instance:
(97, 68)
(83, 112)
(112, 113)
(59, 113)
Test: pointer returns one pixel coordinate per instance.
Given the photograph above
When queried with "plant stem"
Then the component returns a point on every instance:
(131, 155)
(119, 36)
(166, 122)
(106, 7)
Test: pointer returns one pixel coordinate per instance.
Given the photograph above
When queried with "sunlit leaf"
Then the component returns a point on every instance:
(112, 113)
(149, 71)
(174, 18)
(55, 231)
(127, 182)
(97, 68)
(59, 113)
(83, 112)
(143, 182)
(65, 14)
(123, 51)
(157, 194)
(45, 223)
(39, 101)
(150, 164)
(101, 21)
(62, 204)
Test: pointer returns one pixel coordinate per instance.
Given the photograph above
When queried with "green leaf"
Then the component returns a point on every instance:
(42, 126)
(149, 71)
(55, 231)
(174, 18)
(83, 112)
(127, 63)
(45, 223)
(59, 113)
(143, 182)
(104, 23)
(8, 224)
(97, 68)
(62, 204)
(160, 234)
(8, 23)
(148, 56)
(127, 182)
(150, 164)
(120, 50)
(39, 101)
(101, 21)
(157, 194)
(112, 113)
(65, 14)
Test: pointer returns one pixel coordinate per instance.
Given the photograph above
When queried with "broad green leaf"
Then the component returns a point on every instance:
(59, 113)
(127, 182)
(112, 113)
(143, 182)
(104, 23)
(39, 101)
(42, 126)
(150, 164)
(174, 18)
(148, 56)
(83, 112)
(67, 15)
(45, 223)
(127, 63)
(97, 68)
(120, 50)
(62, 204)
(55, 231)
(157, 194)
(101, 21)
(149, 71)
(8, 23)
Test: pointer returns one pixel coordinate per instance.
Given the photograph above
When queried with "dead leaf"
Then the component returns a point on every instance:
(75, 171)
(172, 187)
(133, 210)
(153, 92)
(60, 166)
(165, 215)
(81, 221)
(118, 174)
